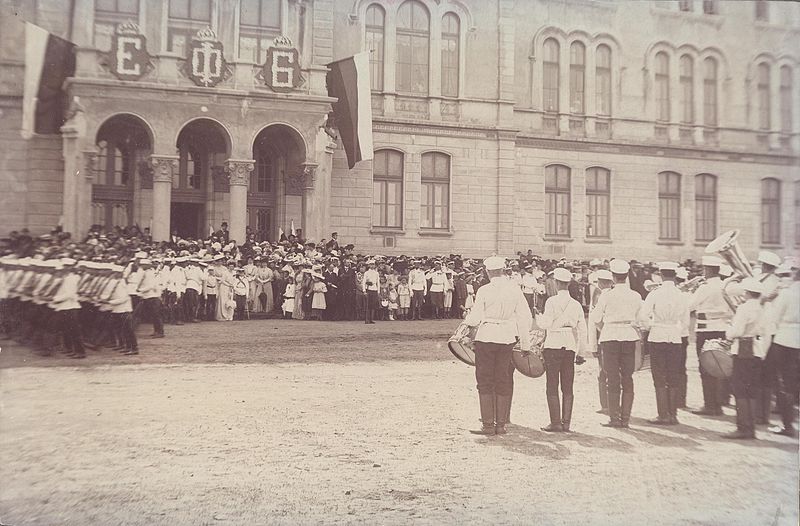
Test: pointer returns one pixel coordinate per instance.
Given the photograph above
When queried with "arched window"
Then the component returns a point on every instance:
(662, 86)
(687, 89)
(450, 54)
(107, 15)
(763, 97)
(705, 207)
(577, 76)
(710, 92)
(603, 79)
(557, 200)
(413, 36)
(375, 24)
(786, 99)
(435, 196)
(550, 75)
(261, 179)
(259, 24)
(598, 202)
(669, 206)
(387, 189)
(770, 211)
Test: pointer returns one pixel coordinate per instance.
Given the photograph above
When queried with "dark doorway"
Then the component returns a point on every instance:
(187, 218)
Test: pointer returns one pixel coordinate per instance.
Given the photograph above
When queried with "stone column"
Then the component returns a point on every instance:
(163, 168)
(312, 208)
(238, 171)
(83, 192)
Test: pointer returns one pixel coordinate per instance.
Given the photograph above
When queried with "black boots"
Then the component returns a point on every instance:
(487, 402)
(745, 425)
(763, 406)
(503, 408)
(674, 402)
(602, 391)
(566, 412)
(627, 407)
(620, 416)
(711, 395)
(615, 419)
(554, 406)
(662, 404)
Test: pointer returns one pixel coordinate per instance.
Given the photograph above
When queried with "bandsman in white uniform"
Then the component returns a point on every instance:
(770, 283)
(785, 317)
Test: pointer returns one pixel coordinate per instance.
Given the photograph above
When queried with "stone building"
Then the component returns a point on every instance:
(572, 127)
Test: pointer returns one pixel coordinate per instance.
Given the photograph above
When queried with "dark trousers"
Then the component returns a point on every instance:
(745, 379)
(559, 368)
(665, 365)
(70, 327)
(531, 299)
(151, 307)
(240, 307)
(348, 305)
(712, 396)
(493, 368)
(190, 304)
(619, 363)
(126, 334)
(417, 301)
(788, 362)
(211, 307)
(370, 303)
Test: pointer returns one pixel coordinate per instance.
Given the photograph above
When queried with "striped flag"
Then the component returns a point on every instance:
(49, 60)
(348, 81)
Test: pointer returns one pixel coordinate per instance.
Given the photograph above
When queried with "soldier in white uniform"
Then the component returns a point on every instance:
(502, 315)
(770, 284)
(605, 281)
(616, 312)
(564, 347)
(785, 317)
(666, 313)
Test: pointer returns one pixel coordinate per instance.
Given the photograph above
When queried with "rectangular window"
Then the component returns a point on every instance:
(662, 87)
(603, 80)
(577, 69)
(705, 203)
(598, 202)
(669, 206)
(412, 36)
(450, 55)
(710, 7)
(687, 90)
(435, 191)
(762, 10)
(710, 93)
(557, 200)
(770, 211)
(387, 189)
(186, 18)
(107, 15)
(259, 24)
(764, 109)
(550, 75)
(786, 99)
(375, 43)
(685, 5)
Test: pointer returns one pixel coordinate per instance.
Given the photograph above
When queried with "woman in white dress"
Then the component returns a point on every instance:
(225, 302)
(264, 296)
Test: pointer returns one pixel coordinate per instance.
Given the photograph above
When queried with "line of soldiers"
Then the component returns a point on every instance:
(763, 331)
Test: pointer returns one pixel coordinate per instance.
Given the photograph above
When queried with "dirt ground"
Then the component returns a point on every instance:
(280, 422)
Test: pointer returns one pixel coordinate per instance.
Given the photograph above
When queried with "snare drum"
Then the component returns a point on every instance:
(462, 345)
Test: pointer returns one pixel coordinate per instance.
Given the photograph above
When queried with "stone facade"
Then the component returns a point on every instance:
(499, 135)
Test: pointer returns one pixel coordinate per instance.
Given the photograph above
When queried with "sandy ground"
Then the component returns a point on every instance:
(342, 433)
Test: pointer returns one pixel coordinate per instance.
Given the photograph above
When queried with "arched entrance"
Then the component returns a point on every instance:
(273, 200)
(203, 146)
(124, 145)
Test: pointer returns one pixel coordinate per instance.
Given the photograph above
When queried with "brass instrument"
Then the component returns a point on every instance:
(727, 247)
(692, 285)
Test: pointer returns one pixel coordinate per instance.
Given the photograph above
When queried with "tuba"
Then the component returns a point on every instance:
(727, 247)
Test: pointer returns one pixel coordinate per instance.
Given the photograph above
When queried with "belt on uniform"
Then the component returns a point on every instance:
(627, 322)
(493, 321)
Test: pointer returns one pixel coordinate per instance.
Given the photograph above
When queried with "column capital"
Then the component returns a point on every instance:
(238, 171)
(163, 167)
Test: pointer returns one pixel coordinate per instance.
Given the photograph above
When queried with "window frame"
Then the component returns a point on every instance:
(705, 206)
(785, 94)
(710, 93)
(551, 87)
(385, 180)
(771, 212)
(377, 66)
(577, 78)
(264, 34)
(595, 193)
(112, 19)
(450, 70)
(553, 207)
(428, 186)
(761, 10)
(407, 87)
(764, 102)
(663, 105)
(666, 221)
(603, 99)
(187, 27)
(686, 80)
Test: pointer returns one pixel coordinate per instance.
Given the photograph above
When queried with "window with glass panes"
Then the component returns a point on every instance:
(685, 5)
(259, 24)
(598, 202)
(786, 99)
(770, 211)
(387, 189)
(186, 18)
(763, 97)
(435, 191)
(107, 15)
(705, 207)
(577, 72)
(710, 7)
(413, 36)
(261, 179)
(710, 92)
(113, 164)
(375, 27)
(662, 86)
(762, 10)
(550, 75)
(450, 52)
(669, 205)
(557, 200)
(687, 89)
(603, 79)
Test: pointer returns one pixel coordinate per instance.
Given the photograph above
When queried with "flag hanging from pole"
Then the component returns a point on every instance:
(49, 60)
(348, 81)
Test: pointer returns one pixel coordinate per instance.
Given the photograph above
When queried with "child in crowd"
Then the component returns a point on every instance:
(404, 297)
(241, 289)
(318, 303)
(470, 296)
(393, 302)
(383, 299)
(288, 298)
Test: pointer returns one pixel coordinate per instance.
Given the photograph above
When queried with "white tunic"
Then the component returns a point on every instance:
(666, 313)
(616, 310)
(501, 314)
(565, 323)
(785, 314)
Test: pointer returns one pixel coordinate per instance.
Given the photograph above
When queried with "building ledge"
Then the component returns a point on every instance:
(558, 239)
(772, 246)
(598, 240)
(434, 232)
(670, 242)
(386, 231)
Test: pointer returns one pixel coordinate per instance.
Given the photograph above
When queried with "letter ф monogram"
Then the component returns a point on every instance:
(128, 58)
(205, 63)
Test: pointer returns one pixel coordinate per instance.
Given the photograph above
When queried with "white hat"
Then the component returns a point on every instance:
(140, 255)
(682, 273)
(595, 263)
(619, 266)
(784, 269)
(145, 261)
(711, 261)
(752, 285)
(605, 274)
(667, 265)
(67, 261)
(725, 270)
(770, 258)
(562, 274)
(494, 263)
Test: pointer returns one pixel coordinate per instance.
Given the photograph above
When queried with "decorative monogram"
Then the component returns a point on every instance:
(281, 70)
(205, 63)
(239, 171)
(128, 58)
(163, 167)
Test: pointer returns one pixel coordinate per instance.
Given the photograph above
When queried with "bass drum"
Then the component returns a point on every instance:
(716, 358)
(461, 343)
(532, 364)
